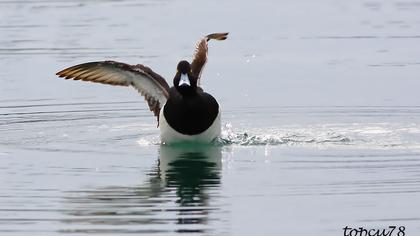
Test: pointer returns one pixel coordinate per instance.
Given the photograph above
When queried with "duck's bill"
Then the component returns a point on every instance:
(184, 81)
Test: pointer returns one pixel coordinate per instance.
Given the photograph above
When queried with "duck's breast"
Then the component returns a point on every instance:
(170, 135)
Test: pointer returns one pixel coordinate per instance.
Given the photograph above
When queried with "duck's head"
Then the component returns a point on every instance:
(184, 80)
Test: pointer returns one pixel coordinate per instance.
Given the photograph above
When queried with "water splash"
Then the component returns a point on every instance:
(354, 135)
(148, 141)
(273, 136)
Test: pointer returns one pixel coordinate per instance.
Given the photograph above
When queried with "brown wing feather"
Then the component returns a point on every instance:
(200, 55)
(149, 84)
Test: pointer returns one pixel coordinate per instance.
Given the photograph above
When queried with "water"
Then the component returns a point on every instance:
(320, 107)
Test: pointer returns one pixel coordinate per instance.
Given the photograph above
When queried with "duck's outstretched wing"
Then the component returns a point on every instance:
(200, 55)
(149, 84)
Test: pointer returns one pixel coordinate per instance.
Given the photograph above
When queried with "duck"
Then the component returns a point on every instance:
(184, 112)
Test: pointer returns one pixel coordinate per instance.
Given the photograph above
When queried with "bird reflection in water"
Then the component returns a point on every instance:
(178, 197)
(192, 171)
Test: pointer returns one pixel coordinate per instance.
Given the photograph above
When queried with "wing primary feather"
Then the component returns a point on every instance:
(151, 85)
(217, 36)
(201, 51)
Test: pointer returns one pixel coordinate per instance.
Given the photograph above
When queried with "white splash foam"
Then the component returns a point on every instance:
(373, 135)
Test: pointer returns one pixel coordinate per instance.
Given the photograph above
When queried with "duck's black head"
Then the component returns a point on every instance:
(184, 80)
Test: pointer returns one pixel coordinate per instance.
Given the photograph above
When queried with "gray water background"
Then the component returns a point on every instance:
(321, 118)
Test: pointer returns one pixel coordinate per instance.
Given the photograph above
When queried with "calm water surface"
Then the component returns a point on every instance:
(321, 118)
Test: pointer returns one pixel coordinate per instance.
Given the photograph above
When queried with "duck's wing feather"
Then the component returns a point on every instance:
(149, 84)
(201, 51)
